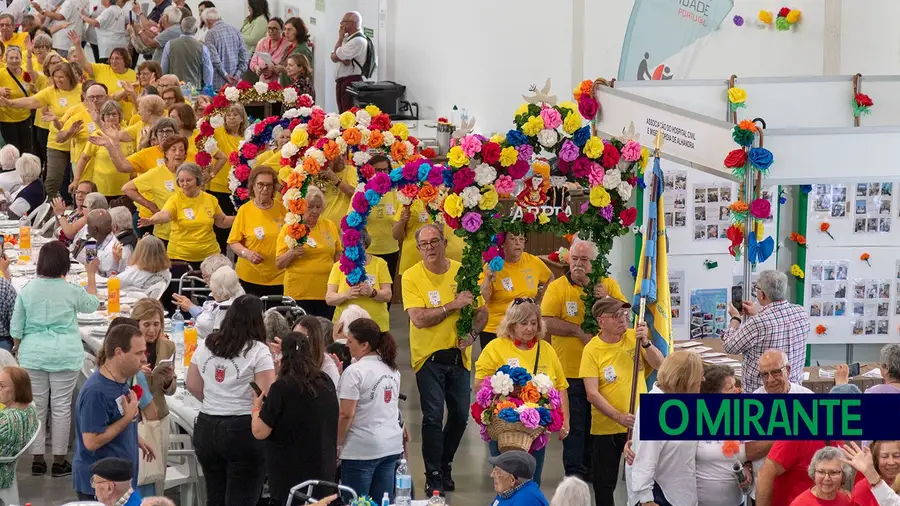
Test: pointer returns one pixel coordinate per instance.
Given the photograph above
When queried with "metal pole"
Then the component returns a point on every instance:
(748, 226)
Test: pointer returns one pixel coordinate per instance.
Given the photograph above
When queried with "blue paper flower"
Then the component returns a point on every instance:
(761, 158)
(546, 417)
(353, 252)
(424, 170)
(806, 188)
(355, 276)
(496, 264)
(516, 138)
(633, 271)
(354, 219)
(642, 184)
(582, 135)
(447, 174)
(396, 175)
(504, 369)
(509, 415)
(520, 376)
(373, 197)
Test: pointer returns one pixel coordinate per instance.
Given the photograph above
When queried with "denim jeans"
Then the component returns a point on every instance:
(232, 459)
(6, 343)
(577, 445)
(370, 477)
(439, 384)
(538, 457)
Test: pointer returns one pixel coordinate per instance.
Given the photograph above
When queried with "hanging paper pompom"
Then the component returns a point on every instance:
(765, 17)
(738, 20)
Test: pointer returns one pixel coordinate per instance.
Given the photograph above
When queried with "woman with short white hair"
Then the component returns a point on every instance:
(571, 492)
(123, 229)
(9, 178)
(212, 264)
(350, 315)
(31, 194)
(225, 287)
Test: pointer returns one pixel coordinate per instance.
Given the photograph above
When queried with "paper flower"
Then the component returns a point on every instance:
(782, 25)
(761, 208)
(865, 257)
(736, 158)
(764, 17)
(797, 272)
(797, 238)
(824, 226)
(731, 448)
(628, 216)
(736, 98)
(599, 197)
(761, 158)
(821, 329)
(453, 205)
(530, 418)
(501, 383)
(861, 104)
(471, 222)
(793, 16)
(631, 151)
(138, 391)
(742, 137)
(738, 21)
(541, 381)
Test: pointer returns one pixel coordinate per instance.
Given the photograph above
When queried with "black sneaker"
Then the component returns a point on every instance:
(38, 468)
(59, 470)
(447, 480)
(434, 481)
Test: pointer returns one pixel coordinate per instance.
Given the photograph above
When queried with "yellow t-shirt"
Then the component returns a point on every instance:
(306, 278)
(192, 148)
(12, 114)
(269, 158)
(104, 74)
(17, 39)
(156, 185)
(146, 159)
(258, 229)
(377, 274)
(380, 225)
(612, 365)
(78, 142)
(227, 144)
(503, 351)
(516, 280)
(134, 130)
(192, 237)
(336, 201)
(419, 217)
(425, 289)
(563, 300)
(102, 172)
(57, 101)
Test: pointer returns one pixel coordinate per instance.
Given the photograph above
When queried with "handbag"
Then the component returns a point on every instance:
(155, 470)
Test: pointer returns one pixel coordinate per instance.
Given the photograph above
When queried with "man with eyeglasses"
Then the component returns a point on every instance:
(441, 361)
(563, 313)
(111, 479)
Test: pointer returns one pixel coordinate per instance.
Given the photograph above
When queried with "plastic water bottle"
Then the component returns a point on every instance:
(436, 499)
(178, 338)
(464, 115)
(386, 500)
(403, 485)
(454, 116)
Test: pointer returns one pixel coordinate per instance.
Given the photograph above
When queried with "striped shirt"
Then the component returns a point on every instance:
(228, 53)
(778, 326)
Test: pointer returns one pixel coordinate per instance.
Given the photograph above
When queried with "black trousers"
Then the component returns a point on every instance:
(227, 206)
(441, 384)
(39, 143)
(485, 337)
(607, 453)
(262, 290)
(317, 308)
(233, 460)
(577, 445)
(18, 134)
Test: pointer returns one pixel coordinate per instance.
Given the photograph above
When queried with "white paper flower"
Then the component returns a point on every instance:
(361, 158)
(363, 118)
(333, 134)
(290, 218)
(261, 87)
(624, 190)
(291, 194)
(289, 95)
(611, 179)
(305, 112)
(217, 121)
(360, 188)
(291, 113)
(547, 137)
(388, 139)
(248, 132)
(318, 155)
(332, 122)
(210, 145)
(410, 149)
(290, 241)
(501, 383)
(471, 196)
(542, 382)
(366, 135)
(289, 150)
(233, 182)
(485, 174)
(403, 199)
(232, 94)
(342, 144)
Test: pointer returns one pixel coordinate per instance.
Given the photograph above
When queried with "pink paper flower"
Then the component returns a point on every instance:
(518, 169)
(761, 208)
(346, 264)
(462, 179)
(489, 255)
(485, 395)
(350, 237)
(595, 178)
(380, 182)
(435, 177)
(569, 151)
(582, 167)
(242, 193)
(539, 442)
(557, 421)
(471, 222)
(360, 204)
(484, 433)
(530, 417)
(551, 118)
(470, 145)
(505, 185)
(249, 151)
(553, 395)
(631, 151)
(588, 107)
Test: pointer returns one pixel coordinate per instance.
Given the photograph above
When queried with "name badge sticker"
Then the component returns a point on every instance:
(311, 242)
(434, 297)
(189, 213)
(170, 185)
(513, 362)
(259, 232)
(609, 374)
(507, 284)
(571, 308)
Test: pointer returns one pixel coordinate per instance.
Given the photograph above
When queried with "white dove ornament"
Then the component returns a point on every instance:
(541, 97)
(465, 128)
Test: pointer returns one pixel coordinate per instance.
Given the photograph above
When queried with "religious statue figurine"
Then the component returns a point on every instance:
(533, 195)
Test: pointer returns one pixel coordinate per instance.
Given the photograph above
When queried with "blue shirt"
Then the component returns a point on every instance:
(529, 494)
(146, 396)
(96, 409)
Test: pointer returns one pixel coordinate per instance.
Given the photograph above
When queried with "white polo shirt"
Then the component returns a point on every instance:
(375, 431)
(226, 381)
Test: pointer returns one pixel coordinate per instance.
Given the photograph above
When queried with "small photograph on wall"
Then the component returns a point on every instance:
(676, 288)
(675, 197)
(831, 199)
(708, 312)
(828, 287)
(711, 203)
(872, 207)
(680, 219)
(858, 327)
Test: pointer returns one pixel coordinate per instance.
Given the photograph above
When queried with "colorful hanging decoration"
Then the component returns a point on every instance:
(865, 258)
(797, 272)
(823, 227)
(798, 238)
(821, 329)
(784, 19)
(861, 105)
(736, 98)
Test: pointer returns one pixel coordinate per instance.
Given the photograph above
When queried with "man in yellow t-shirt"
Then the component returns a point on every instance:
(563, 314)
(607, 368)
(441, 363)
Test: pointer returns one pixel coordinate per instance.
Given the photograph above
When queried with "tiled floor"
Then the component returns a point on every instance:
(470, 470)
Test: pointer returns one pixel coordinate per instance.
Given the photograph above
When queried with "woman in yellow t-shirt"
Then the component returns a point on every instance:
(523, 276)
(227, 139)
(144, 159)
(193, 214)
(254, 232)
(148, 72)
(519, 344)
(152, 189)
(381, 222)
(410, 218)
(272, 157)
(373, 294)
(95, 165)
(117, 71)
(150, 109)
(184, 117)
(338, 183)
(307, 267)
(15, 124)
(40, 76)
(53, 100)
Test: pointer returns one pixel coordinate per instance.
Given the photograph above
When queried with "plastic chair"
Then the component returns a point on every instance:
(36, 218)
(182, 467)
(9, 496)
(157, 290)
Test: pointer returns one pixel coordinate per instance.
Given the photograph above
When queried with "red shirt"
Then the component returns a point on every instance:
(808, 499)
(862, 494)
(794, 457)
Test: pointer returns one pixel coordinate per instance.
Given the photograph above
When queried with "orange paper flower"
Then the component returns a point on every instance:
(297, 230)
(824, 226)
(865, 258)
(331, 150)
(821, 329)
(352, 136)
(739, 206)
(376, 139)
(311, 166)
(731, 448)
(747, 125)
(529, 393)
(298, 206)
(503, 405)
(295, 180)
(398, 151)
(427, 193)
(798, 238)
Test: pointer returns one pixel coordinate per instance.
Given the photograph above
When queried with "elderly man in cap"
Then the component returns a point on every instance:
(607, 367)
(111, 479)
(512, 475)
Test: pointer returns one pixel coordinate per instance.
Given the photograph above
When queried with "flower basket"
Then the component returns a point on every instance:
(512, 436)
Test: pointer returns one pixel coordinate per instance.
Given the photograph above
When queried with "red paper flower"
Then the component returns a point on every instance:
(380, 122)
(863, 100)
(736, 236)
(244, 86)
(553, 257)
(410, 191)
(203, 159)
(242, 193)
(476, 412)
(562, 217)
(259, 127)
(234, 158)
(367, 171)
(305, 101)
(451, 221)
(627, 216)
(821, 329)
(490, 152)
(528, 218)
(26, 76)
(610, 156)
(249, 151)
(783, 12)
(761, 208)
(275, 86)
(429, 153)
(316, 126)
(219, 101)
(206, 130)
(736, 158)
(138, 391)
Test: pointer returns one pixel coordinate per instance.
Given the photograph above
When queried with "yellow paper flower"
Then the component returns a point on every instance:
(765, 17)
(373, 110)
(599, 197)
(498, 138)
(737, 95)
(400, 131)
(793, 16)
(457, 157)
(572, 123)
(508, 156)
(489, 199)
(284, 173)
(593, 148)
(347, 119)
(760, 229)
(522, 109)
(534, 125)
(568, 104)
(453, 205)
(300, 137)
(645, 157)
(543, 219)
(797, 271)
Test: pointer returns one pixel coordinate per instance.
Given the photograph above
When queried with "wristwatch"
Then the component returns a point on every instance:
(646, 345)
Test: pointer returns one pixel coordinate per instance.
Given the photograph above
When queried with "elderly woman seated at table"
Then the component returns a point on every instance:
(9, 178)
(18, 420)
(512, 475)
(225, 288)
(31, 193)
(148, 266)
